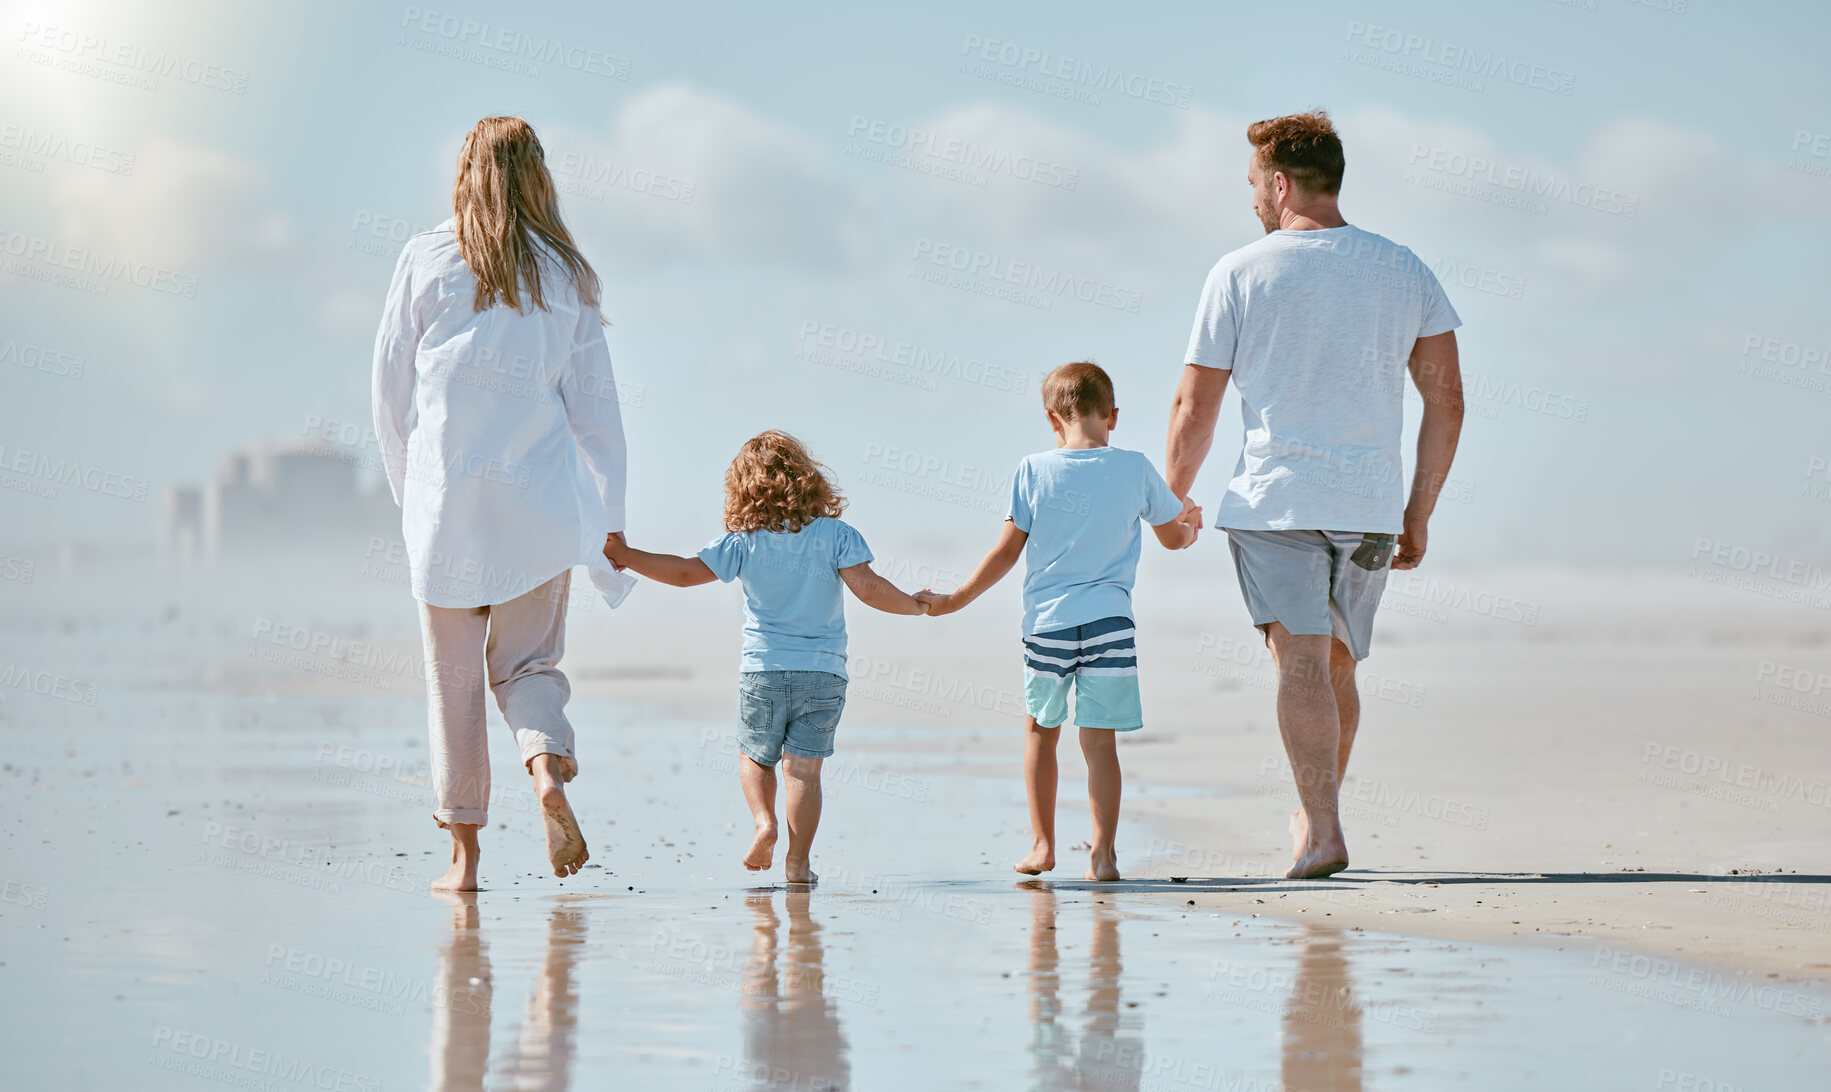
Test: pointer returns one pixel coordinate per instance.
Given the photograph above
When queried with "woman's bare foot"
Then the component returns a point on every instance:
(462, 875)
(1102, 864)
(799, 872)
(1300, 833)
(1041, 859)
(565, 843)
(1320, 859)
(762, 852)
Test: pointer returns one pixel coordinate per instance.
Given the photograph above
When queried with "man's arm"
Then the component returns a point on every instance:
(873, 590)
(1437, 371)
(1192, 416)
(991, 570)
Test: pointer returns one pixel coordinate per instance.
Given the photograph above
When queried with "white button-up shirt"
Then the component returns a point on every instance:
(500, 431)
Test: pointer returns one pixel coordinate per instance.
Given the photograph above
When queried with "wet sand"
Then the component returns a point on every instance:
(215, 874)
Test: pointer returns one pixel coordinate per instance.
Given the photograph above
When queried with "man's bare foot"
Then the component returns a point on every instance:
(565, 843)
(1300, 833)
(762, 852)
(1319, 860)
(462, 875)
(1041, 859)
(1103, 865)
(799, 872)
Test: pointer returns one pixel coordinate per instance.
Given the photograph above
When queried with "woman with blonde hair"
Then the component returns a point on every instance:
(497, 417)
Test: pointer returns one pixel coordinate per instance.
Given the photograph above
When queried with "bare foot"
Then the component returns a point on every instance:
(1102, 864)
(565, 844)
(799, 872)
(762, 852)
(1300, 833)
(1319, 860)
(1041, 859)
(462, 875)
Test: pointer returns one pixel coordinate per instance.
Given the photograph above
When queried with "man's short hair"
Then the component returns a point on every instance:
(1081, 389)
(1303, 146)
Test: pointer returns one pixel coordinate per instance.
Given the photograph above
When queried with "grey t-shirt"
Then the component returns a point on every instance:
(1317, 327)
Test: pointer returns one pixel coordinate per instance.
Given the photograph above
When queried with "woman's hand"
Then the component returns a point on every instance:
(616, 550)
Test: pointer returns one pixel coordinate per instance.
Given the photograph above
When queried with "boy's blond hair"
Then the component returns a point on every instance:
(1080, 389)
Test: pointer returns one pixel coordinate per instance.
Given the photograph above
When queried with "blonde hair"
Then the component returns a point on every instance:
(501, 203)
(1081, 389)
(775, 485)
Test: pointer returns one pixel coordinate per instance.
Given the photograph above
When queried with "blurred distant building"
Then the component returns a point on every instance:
(281, 498)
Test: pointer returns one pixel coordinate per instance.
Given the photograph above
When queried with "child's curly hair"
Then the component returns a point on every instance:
(775, 485)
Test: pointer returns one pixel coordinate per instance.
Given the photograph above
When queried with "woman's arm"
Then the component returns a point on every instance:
(672, 569)
(589, 391)
(875, 591)
(396, 341)
(991, 570)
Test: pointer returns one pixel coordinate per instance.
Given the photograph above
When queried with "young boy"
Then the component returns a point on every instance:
(1074, 518)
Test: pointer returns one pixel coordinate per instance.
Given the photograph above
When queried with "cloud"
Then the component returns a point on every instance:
(188, 205)
(683, 175)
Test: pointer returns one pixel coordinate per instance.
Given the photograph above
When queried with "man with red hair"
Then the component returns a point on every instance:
(1315, 324)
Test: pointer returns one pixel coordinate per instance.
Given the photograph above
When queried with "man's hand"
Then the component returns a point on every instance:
(1192, 515)
(934, 603)
(616, 550)
(1411, 543)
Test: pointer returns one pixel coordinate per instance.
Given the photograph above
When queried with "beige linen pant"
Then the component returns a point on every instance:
(515, 645)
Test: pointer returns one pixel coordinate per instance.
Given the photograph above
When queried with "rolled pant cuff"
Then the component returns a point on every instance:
(569, 765)
(476, 817)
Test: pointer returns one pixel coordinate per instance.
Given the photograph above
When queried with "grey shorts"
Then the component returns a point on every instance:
(793, 712)
(1309, 581)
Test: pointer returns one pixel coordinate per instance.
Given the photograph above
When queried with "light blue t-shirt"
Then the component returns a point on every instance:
(1081, 510)
(794, 607)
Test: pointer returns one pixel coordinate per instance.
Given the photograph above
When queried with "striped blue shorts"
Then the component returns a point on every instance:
(1099, 660)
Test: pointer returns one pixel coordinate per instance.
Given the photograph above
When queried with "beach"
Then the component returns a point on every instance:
(217, 860)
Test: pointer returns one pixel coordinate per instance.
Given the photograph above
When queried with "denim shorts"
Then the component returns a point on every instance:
(793, 712)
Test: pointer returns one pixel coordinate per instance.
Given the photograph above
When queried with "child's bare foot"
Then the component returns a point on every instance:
(762, 851)
(462, 875)
(799, 872)
(1300, 833)
(1103, 864)
(1040, 859)
(565, 843)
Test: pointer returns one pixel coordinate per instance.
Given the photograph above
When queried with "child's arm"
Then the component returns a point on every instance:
(1181, 531)
(681, 572)
(991, 570)
(873, 590)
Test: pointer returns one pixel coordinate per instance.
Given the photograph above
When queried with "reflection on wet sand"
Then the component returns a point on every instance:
(543, 1053)
(1322, 1020)
(792, 1037)
(1105, 1056)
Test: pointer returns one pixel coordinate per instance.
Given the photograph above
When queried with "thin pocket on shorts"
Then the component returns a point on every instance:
(821, 714)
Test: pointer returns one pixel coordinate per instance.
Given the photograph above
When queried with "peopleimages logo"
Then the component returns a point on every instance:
(1452, 58)
(1525, 181)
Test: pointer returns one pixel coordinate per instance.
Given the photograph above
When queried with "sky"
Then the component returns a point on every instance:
(834, 218)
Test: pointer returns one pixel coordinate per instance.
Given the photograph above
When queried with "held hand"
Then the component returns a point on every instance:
(1192, 519)
(616, 549)
(1411, 544)
(934, 603)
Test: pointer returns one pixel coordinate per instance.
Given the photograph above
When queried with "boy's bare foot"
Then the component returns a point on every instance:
(1300, 833)
(762, 852)
(799, 872)
(462, 875)
(1040, 859)
(1102, 864)
(1320, 859)
(565, 843)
